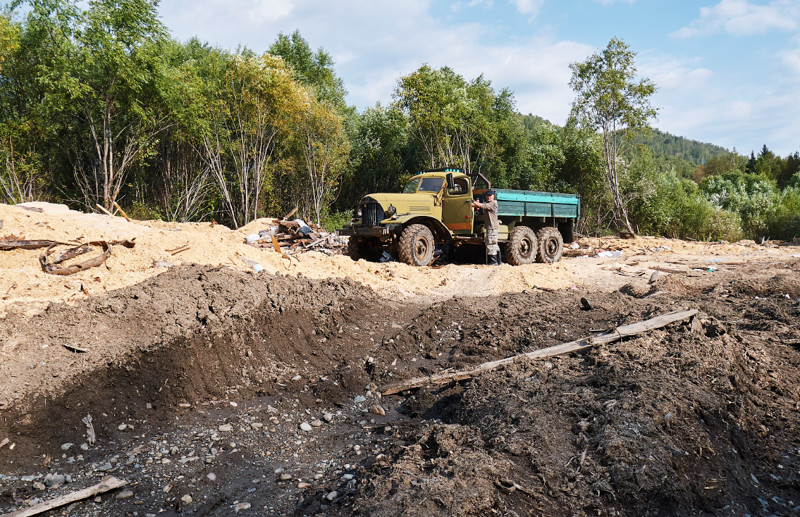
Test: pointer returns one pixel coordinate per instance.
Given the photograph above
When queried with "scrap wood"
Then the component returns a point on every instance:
(73, 348)
(55, 269)
(107, 484)
(179, 249)
(121, 211)
(72, 253)
(572, 346)
(103, 210)
(276, 245)
(17, 244)
(290, 214)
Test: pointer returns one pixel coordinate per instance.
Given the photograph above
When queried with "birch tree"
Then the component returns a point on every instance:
(610, 99)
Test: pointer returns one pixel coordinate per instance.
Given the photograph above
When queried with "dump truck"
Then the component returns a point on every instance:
(435, 211)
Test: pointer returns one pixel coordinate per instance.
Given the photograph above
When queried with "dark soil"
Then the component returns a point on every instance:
(198, 382)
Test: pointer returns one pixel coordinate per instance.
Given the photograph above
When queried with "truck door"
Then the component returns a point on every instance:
(457, 213)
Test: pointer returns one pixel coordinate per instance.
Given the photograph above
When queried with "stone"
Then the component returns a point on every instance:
(377, 410)
(359, 399)
(211, 476)
(332, 495)
(122, 427)
(305, 426)
(54, 480)
(328, 417)
(241, 506)
(225, 428)
(316, 422)
(187, 499)
(66, 446)
(125, 494)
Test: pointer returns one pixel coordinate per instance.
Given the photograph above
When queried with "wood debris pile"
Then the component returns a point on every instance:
(296, 236)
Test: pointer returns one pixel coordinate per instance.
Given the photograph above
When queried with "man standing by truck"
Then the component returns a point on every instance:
(491, 225)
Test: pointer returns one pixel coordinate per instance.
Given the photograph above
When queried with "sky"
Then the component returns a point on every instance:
(727, 71)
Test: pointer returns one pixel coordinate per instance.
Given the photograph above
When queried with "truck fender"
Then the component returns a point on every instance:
(439, 230)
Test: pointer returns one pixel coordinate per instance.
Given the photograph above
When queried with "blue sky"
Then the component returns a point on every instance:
(727, 71)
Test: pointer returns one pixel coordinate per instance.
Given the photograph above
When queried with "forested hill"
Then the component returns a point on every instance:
(692, 151)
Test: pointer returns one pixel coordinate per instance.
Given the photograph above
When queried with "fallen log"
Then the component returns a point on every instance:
(15, 244)
(55, 269)
(105, 485)
(564, 348)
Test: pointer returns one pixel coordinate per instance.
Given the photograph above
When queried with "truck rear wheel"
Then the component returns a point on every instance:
(521, 246)
(363, 248)
(416, 245)
(551, 245)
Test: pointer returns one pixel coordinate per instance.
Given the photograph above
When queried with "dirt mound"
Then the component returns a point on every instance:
(217, 390)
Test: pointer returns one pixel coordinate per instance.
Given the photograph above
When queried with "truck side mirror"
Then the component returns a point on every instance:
(451, 184)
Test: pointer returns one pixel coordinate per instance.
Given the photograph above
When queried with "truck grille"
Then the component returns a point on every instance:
(372, 214)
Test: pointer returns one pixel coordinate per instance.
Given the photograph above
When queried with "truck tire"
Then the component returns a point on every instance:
(551, 245)
(567, 230)
(521, 246)
(362, 248)
(416, 245)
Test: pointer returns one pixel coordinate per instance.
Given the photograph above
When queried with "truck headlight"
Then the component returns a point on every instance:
(391, 210)
(358, 213)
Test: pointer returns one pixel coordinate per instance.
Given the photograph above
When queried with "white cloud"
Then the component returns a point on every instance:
(527, 7)
(741, 18)
(376, 43)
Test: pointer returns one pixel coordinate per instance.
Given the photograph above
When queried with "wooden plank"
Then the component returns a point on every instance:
(106, 484)
(564, 348)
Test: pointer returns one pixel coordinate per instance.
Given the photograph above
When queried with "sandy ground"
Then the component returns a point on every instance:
(26, 289)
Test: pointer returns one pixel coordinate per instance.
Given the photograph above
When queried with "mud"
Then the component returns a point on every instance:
(260, 395)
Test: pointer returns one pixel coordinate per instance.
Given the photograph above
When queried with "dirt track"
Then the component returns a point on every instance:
(257, 394)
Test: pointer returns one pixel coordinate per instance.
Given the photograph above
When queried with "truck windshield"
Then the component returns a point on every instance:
(412, 186)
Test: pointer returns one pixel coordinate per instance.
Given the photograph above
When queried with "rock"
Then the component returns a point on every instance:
(122, 427)
(297, 377)
(54, 480)
(66, 446)
(359, 399)
(186, 499)
(225, 428)
(377, 410)
(303, 485)
(286, 477)
(328, 417)
(316, 422)
(256, 425)
(241, 506)
(332, 495)
(271, 409)
(38, 485)
(347, 477)
(125, 494)
(211, 476)
(305, 426)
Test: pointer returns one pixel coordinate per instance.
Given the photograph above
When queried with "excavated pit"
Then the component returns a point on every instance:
(258, 395)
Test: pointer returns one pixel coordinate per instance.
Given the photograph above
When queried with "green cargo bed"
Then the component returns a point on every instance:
(524, 203)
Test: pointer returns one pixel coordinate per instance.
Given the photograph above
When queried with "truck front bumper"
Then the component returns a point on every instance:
(383, 231)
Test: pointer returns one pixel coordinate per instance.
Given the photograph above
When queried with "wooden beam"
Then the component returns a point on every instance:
(106, 484)
(564, 348)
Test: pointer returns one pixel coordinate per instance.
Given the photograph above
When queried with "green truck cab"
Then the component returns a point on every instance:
(435, 209)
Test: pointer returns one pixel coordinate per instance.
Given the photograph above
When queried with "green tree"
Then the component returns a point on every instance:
(455, 121)
(610, 99)
(314, 69)
(252, 111)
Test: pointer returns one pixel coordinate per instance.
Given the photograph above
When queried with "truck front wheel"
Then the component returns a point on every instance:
(521, 246)
(416, 245)
(551, 245)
